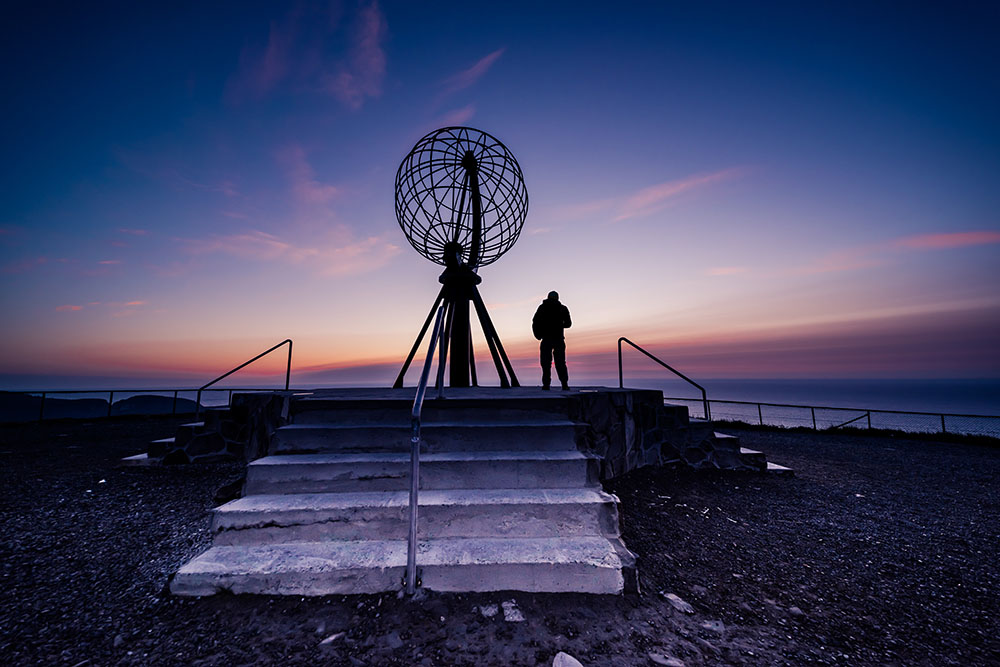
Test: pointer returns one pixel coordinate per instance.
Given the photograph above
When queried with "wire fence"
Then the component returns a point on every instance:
(826, 417)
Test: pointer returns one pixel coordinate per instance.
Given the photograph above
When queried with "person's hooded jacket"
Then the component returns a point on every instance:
(551, 318)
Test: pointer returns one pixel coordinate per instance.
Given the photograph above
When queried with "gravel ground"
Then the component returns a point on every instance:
(879, 551)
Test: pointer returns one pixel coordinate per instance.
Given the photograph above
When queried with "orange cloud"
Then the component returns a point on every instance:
(68, 308)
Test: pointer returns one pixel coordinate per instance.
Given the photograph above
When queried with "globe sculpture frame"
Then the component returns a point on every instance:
(461, 202)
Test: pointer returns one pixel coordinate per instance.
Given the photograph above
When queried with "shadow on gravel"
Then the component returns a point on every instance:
(878, 551)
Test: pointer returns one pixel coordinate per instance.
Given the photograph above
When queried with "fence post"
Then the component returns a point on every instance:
(230, 403)
(943, 429)
(813, 411)
(111, 401)
(760, 414)
(869, 420)
(173, 410)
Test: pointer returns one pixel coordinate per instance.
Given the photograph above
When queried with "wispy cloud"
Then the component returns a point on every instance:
(134, 232)
(469, 76)
(361, 73)
(305, 187)
(457, 116)
(646, 201)
(175, 177)
(726, 270)
(948, 240)
(877, 254)
(68, 308)
(108, 262)
(657, 197)
(312, 50)
(261, 70)
(23, 265)
(339, 256)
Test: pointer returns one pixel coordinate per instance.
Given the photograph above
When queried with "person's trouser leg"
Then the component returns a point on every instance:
(545, 358)
(559, 351)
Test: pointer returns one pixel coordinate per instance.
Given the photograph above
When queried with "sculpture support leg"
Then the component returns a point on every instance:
(416, 344)
(499, 354)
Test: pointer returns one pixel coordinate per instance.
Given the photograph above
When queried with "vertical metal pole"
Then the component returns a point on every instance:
(411, 552)
(41, 407)
(111, 400)
(813, 411)
(760, 414)
(288, 369)
(621, 381)
(197, 404)
(869, 420)
(229, 404)
(943, 429)
(173, 409)
(704, 400)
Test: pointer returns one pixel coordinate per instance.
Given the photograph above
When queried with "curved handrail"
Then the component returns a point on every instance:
(288, 371)
(418, 406)
(621, 380)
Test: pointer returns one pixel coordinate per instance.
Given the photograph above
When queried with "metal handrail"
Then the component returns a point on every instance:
(418, 406)
(288, 371)
(621, 379)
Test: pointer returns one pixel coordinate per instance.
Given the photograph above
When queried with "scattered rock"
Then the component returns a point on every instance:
(667, 660)
(489, 610)
(393, 640)
(119, 640)
(795, 611)
(714, 626)
(511, 613)
(678, 603)
(332, 638)
(565, 660)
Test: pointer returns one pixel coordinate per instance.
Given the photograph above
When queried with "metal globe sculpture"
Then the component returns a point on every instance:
(461, 202)
(440, 183)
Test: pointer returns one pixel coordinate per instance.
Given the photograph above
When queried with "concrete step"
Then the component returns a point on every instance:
(390, 471)
(546, 435)
(158, 448)
(315, 517)
(326, 409)
(754, 458)
(448, 414)
(580, 564)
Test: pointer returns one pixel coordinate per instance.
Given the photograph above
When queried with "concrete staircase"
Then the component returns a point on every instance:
(507, 502)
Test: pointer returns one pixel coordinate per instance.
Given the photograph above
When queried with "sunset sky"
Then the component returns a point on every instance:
(749, 190)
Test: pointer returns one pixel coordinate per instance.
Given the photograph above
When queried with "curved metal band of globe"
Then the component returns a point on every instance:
(433, 201)
(461, 202)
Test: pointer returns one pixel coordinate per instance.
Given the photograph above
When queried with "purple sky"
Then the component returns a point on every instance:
(765, 190)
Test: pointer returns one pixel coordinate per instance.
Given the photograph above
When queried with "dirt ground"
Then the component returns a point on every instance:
(879, 551)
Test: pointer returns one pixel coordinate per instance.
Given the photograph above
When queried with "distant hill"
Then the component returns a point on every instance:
(18, 407)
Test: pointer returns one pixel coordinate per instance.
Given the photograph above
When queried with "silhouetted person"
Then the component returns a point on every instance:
(548, 323)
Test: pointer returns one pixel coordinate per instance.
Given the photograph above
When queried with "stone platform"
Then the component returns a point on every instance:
(510, 485)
